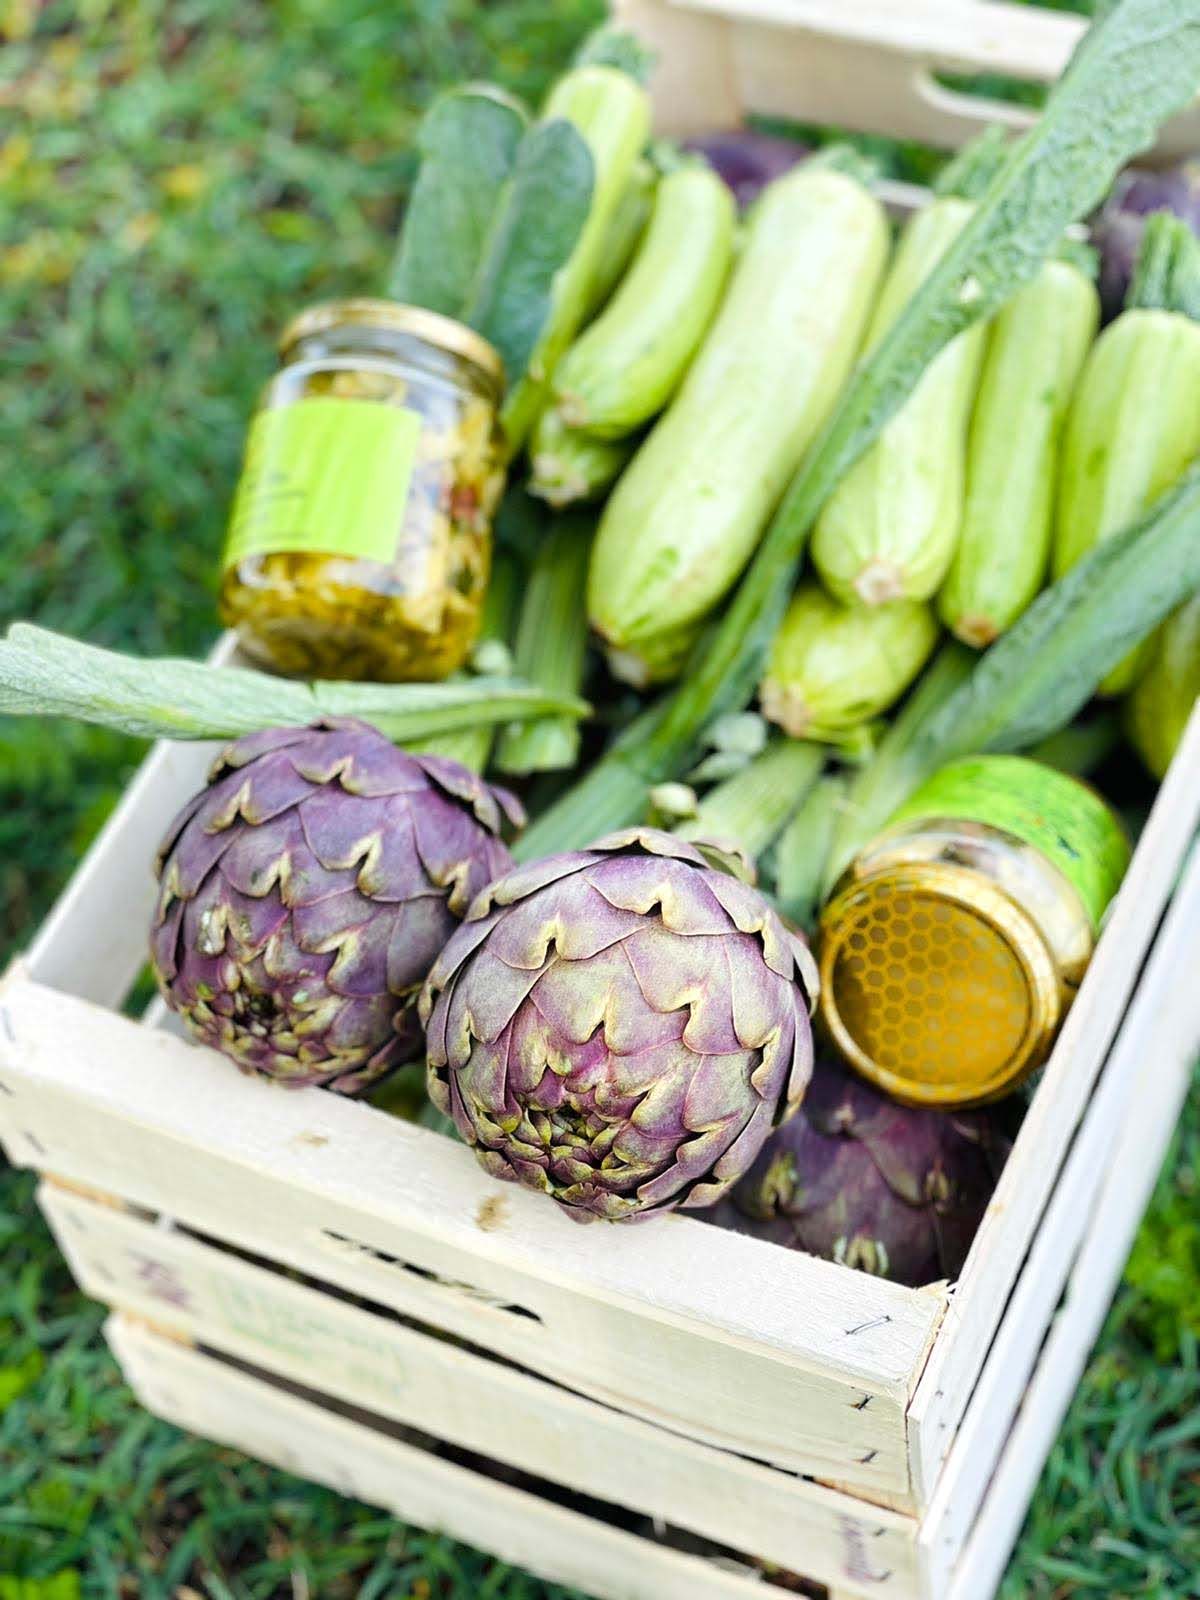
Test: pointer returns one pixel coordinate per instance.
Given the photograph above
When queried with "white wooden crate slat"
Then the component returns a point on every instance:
(564, 1546)
(666, 1315)
(983, 36)
(312, 1338)
(1012, 1220)
(869, 65)
(1106, 1186)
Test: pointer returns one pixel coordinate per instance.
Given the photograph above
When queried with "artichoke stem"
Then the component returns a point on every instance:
(551, 647)
(802, 851)
(472, 747)
(751, 807)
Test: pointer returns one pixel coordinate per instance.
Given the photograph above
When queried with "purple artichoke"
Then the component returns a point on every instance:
(889, 1189)
(1118, 227)
(306, 891)
(620, 1027)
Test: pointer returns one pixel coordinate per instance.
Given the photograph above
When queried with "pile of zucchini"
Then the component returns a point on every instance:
(788, 456)
(692, 357)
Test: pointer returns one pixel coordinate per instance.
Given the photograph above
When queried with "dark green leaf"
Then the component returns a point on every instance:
(541, 215)
(468, 143)
(1035, 678)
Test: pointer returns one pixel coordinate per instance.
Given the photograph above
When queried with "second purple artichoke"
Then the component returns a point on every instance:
(621, 1028)
(891, 1190)
(306, 891)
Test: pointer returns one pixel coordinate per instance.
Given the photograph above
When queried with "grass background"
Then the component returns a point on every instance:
(175, 178)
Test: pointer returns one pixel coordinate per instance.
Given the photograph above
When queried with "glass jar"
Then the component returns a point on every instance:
(360, 539)
(953, 945)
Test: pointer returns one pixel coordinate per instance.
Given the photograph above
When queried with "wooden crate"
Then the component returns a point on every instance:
(641, 1412)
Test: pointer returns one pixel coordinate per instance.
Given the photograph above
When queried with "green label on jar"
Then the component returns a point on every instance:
(324, 477)
(1055, 814)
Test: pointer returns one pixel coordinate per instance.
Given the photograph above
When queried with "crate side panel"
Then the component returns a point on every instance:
(558, 1544)
(987, 36)
(314, 1339)
(1063, 1097)
(694, 78)
(870, 66)
(892, 94)
(1112, 1223)
(661, 1318)
(1098, 1199)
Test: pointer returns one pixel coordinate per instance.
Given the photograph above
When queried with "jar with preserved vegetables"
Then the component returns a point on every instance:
(360, 539)
(955, 942)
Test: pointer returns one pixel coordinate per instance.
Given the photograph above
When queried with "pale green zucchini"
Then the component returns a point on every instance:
(1134, 424)
(623, 234)
(834, 667)
(1036, 350)
(688, 511)
(568, 465)
(622, 371)
(889, 530)
(612, 112)
(655, 659)
(1164, 697)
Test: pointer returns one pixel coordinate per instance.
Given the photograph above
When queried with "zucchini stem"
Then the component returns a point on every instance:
(551, 646)
(1166, 276)
(802, 851)
(751, 807)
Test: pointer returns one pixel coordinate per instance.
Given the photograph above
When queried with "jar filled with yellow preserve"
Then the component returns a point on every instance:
(954, 943)
(359, 543)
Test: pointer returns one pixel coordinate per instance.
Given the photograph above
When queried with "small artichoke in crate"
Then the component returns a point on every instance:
(620, 1027)
(305, 892)
(887, 1189)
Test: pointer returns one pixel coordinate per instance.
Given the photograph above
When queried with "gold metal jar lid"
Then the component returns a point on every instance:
(394, 317)
(936, 985)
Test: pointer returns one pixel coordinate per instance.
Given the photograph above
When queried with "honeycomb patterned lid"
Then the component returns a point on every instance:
(935, 985)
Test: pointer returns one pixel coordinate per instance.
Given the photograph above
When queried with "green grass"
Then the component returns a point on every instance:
(184, 176)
